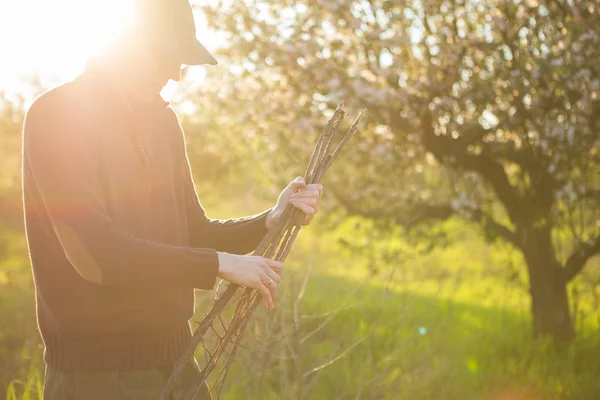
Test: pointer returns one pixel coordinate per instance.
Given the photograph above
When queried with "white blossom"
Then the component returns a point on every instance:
(462, 204)
(570, 134)
(557, 62)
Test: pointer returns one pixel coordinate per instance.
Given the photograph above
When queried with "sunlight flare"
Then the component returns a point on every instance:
(53, 39)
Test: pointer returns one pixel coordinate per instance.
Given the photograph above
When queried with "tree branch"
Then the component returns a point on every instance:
(353, 208)
(427, 212)
(420, 213)
(447, 151)
(505, 232)
(579, 258)
(591, 194)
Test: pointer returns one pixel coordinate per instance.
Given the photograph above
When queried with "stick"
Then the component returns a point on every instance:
(278, 239)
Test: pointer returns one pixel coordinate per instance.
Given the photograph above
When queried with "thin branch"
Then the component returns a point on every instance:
(334, 313)
(281, 237)
(579, 258)
(376, 325)
(236, 346)
(421, 213)
(425, 212)
(487, 221)
(353, 208)
(338, 357)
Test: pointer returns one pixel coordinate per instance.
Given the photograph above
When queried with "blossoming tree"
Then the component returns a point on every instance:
(489, 111)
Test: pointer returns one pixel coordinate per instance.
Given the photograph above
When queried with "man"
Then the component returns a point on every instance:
(117, 237)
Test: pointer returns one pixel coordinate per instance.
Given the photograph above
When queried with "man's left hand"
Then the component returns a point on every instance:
(302, 196)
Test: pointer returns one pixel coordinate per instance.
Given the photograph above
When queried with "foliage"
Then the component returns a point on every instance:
(30, 389)
(488, 111)
(19, 340)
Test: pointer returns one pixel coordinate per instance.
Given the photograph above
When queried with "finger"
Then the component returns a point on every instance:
(311, 201)
(314, 186)
(304, 207)
(271, 274)
(272, 286)
(276, 266)
(298, 183)
(266, 294)
(309, 217)
(307, 220)
(306, 193)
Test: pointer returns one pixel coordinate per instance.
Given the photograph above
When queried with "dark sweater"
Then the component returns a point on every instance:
(117, 237)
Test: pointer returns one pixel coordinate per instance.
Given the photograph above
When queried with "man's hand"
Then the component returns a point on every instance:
(302, 196)
(256, 272)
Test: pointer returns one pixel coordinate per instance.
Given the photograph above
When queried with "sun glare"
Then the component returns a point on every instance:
(54, 38)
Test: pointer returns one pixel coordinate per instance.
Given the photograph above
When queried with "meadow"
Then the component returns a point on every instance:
(364, 317)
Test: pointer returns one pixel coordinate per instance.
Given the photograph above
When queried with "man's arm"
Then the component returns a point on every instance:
(242, 235)
(58, 153)
(237, 236)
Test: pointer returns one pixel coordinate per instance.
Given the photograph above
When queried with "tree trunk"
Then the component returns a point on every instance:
(550, 306)
(550, 310)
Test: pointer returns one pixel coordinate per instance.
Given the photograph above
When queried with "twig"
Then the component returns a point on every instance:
(279, 240)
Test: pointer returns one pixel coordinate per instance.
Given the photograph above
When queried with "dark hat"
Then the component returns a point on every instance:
(170, 25)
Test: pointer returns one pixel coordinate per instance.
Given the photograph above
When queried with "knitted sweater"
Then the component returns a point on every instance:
(117, 237)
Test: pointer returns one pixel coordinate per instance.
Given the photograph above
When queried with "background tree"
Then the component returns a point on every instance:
(483, 110)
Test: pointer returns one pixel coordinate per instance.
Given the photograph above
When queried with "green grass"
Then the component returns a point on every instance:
(28, 389)
(420, 347)
(454, 324)
(451, 324)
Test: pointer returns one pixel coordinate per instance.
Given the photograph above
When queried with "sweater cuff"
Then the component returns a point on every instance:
(203, 268)
(259, 227)
(261, 220)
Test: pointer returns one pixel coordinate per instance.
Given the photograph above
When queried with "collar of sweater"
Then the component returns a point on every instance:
(98, 74)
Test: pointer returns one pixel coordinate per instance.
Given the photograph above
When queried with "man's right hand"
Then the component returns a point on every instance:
(252, 271)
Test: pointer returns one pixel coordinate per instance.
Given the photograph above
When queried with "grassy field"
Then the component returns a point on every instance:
(379, 319)
(440, 326)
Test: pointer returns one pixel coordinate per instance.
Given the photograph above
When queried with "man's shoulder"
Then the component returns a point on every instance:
(57, 114)
(55, 103)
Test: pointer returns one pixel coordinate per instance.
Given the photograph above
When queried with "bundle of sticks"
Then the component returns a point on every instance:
(276, 245)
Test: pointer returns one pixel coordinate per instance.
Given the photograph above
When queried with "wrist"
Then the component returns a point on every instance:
(222, 262)
(271, 217)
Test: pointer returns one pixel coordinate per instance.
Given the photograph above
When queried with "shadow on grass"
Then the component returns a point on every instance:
(408, 346)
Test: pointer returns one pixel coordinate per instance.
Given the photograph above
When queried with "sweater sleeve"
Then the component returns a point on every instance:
(236, 235)
(59, 155)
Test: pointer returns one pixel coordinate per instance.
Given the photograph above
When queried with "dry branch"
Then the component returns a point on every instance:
(276, 244)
